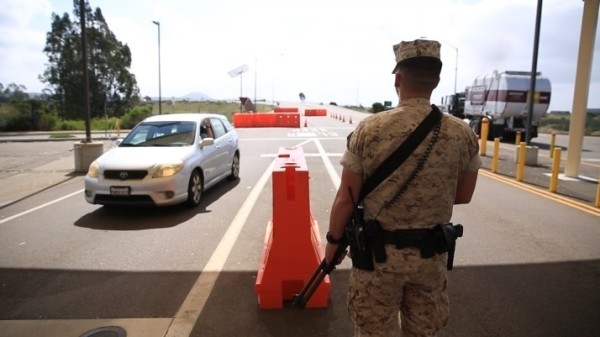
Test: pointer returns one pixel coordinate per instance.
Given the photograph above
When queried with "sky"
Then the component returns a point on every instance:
(330, 50)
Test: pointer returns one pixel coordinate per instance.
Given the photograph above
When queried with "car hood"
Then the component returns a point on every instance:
(142, 157)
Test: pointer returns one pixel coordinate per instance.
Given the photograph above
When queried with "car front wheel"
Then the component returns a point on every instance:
(195, 188)
(235, 168)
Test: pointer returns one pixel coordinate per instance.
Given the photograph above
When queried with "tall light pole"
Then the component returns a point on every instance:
(455, 66)
(86, 82)
(455, 60)
(157, 23)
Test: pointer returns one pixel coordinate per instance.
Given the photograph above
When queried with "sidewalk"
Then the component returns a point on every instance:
(44, 136)
(582, 189)
(30, 166)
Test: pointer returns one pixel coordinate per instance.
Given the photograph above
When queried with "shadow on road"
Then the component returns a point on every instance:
(126, 218)
(545, 300)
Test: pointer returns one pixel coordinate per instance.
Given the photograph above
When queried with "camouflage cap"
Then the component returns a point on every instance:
(418, 48)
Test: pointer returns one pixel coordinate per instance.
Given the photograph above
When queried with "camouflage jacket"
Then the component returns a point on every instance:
(430, 198)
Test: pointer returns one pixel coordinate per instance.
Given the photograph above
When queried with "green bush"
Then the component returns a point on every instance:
(12, 120)
(70, 125)
(377, 107)
(134, 116)
(104, 123)
(48, 121)
(562, 122)
(592, 125)
(558, 123)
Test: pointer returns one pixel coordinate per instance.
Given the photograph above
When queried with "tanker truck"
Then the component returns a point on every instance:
(502, 99)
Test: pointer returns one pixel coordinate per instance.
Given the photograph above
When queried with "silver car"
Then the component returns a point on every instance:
(165, 160)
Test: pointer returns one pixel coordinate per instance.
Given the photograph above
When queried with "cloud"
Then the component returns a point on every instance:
(21, 44)
(333, 51)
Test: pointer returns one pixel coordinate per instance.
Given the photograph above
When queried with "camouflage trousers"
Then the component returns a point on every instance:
(405, 296)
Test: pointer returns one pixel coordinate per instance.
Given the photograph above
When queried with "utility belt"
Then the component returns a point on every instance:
(437, 240)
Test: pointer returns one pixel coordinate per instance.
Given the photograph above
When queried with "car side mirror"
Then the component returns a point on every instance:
(118, 141)
(206, 142)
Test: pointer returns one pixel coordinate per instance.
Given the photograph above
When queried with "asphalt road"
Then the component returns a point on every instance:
(528, 265)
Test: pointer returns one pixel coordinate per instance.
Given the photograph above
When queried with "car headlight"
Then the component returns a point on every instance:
(168, 170)
(94, 169)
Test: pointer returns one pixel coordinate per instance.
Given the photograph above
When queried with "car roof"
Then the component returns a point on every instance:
(193, 117)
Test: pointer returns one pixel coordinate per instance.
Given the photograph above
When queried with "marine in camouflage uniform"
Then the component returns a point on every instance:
(406, 286)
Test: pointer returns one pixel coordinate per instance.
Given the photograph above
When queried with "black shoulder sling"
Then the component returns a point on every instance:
(401, 153)
(358, 233)
(353, 231)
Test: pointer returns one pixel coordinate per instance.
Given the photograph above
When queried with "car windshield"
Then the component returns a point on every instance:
(171, 133)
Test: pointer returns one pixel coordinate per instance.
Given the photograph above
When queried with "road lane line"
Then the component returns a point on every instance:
(40, 207)
(187, 315)
(191, 308)
(335, 178)
(543, 193)
(273, 155)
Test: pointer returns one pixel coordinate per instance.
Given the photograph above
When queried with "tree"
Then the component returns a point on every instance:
(13, 92)
(377, 107)
(110, 82)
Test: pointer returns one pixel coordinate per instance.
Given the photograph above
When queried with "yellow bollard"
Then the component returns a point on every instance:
(518, 138)
(485, 126)
(597, 204)
(555, 170)
(496, 155)
(118, 127)
(552, 144)
(521, 163)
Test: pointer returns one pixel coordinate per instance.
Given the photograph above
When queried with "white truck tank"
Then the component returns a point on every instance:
(502, 97)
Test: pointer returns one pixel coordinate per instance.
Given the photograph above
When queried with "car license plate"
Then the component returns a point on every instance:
(119, 190)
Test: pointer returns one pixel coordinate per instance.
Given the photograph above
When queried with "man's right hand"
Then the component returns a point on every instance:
(330, 251)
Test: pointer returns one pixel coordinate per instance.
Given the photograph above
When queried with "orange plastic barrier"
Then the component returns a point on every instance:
(315, 112)
(267, 119)
(243, 120)
(292, 247)
(264, 120)
(288, 120)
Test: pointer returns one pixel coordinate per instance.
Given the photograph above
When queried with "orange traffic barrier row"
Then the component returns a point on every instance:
(267, 119)
(315, 112)
(285, 110)
(292, 245)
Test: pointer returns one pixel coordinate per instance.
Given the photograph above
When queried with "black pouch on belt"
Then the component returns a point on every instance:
(360, 247)
(375, 236)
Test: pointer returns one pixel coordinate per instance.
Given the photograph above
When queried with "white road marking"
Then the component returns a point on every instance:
(191, 308)
(301, 134)
(563, 177)
(272, 155)
(335, 178)
(39, 207)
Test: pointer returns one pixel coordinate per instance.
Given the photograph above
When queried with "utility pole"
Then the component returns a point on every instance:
(86, 84)
(157, 23)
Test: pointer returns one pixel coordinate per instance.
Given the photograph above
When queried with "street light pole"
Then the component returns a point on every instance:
(455, 61)
(455, 69)
(157, 23)
(455, 64)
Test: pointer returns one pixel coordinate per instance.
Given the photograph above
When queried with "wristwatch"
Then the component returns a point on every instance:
(331, 240)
